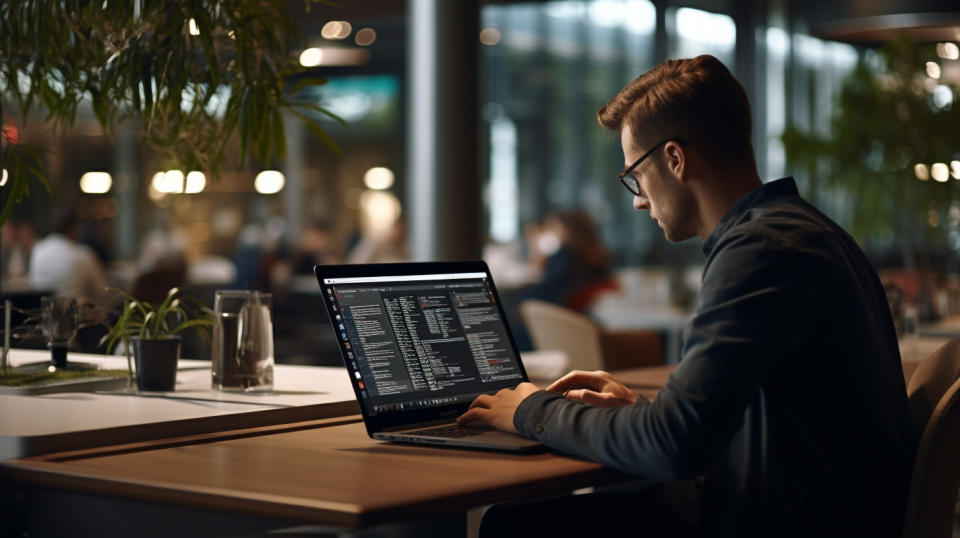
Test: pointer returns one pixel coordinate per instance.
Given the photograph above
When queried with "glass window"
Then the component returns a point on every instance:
(553, 67)
(695, 32)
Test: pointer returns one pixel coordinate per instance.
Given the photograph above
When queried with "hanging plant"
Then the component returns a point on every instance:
(190, 76)
(891, 148)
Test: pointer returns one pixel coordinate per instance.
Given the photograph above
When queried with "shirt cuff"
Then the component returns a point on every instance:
(529, 417)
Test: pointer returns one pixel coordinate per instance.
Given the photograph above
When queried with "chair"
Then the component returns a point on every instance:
(931, 380)
(934, 393)
(586, 344)
(152, 286)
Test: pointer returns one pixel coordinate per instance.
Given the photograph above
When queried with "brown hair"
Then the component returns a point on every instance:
(583, 238)
(697, 100)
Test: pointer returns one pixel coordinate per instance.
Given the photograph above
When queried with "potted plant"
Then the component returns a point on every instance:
(152, 332)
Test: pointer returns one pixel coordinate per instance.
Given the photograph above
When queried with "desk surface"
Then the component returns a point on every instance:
(40, 424)
(322, 472)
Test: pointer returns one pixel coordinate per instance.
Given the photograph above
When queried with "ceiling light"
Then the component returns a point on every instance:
(948, 51)
(933, 69)
(4, 177)
(920, 170)
(196, 182)
(378, 178)
(489, 36)
(95, 182)
(311, 57)
(336, 30)
(172, 181)
(269, 182)
(940, 172)
(194, 30)
(365, 37)
(379, 212)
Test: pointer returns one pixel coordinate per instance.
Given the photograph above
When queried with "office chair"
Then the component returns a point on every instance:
(588, 346)
(934, 393)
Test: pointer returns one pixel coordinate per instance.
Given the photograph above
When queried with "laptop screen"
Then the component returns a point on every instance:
(413, 342)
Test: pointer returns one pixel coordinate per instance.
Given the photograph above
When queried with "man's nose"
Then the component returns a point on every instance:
(641, 202)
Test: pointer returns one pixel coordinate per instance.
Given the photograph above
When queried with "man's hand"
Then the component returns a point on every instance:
(595, 388)
(498, 410)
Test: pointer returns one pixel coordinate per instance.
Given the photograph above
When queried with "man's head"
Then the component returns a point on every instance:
(64, 221)
(695, 117)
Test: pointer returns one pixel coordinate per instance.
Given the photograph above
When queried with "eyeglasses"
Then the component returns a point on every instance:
(632, 183)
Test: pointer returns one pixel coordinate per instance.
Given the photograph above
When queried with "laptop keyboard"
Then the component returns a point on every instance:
(452, 431)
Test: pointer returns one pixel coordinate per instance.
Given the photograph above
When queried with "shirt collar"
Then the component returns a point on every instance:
(764, 193)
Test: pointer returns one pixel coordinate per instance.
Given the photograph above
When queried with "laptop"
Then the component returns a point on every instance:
(420, 341)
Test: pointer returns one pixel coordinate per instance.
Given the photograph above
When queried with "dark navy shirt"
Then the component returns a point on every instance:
(789, 400)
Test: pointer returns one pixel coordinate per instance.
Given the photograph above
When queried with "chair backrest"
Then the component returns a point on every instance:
(931, 380)
(555, 327)
(934, 393)
(936, 472)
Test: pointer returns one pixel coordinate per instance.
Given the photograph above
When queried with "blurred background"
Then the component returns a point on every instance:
(471, 133)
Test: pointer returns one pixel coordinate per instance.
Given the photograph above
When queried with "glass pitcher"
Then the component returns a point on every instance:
(242, 349)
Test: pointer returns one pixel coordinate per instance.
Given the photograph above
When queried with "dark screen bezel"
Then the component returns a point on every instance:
(380, 422)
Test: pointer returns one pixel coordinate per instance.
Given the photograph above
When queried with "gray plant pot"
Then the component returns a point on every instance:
(156, 362)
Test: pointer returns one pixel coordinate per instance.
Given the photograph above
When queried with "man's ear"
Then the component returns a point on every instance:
(677, 159)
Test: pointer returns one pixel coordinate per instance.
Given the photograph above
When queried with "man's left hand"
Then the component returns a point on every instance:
(498, 410)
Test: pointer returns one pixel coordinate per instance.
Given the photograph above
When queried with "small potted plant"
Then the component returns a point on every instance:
(152, 332)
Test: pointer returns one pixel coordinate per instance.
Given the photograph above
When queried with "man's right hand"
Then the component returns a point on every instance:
(595, 388)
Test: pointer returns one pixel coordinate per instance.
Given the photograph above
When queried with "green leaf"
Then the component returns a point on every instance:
(304, 83)
(279, 135)
(318, 132)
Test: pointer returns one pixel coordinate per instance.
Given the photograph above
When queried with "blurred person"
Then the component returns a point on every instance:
(162, 264)
(575, 268)
(315, 247)
(61, 264)
(750, 435)
(249, 256)
(576, 264)
(88, 235)
(17, 247)
(162, 247)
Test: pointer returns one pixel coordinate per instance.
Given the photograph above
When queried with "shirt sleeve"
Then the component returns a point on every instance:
(747, 319)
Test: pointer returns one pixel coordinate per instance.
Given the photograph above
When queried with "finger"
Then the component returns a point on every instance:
(476, 414)
(588, 396)
(601, 399)
(577, 379)
(553, 387)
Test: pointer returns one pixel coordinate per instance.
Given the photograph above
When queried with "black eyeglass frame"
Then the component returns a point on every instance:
(635, 188)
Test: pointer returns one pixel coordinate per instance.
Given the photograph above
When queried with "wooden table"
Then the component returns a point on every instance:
(649, 380)
(319, 472)
(326, 472)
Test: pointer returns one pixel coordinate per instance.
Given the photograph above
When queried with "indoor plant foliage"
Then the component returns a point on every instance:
(188, 75)
(146, 321)
(891, 118)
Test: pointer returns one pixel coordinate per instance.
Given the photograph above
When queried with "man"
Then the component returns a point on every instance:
(789, 405)
(61, 264)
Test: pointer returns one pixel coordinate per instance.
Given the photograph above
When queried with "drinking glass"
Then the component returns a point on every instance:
(59, 321)
(242, 351)
(909, 332)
